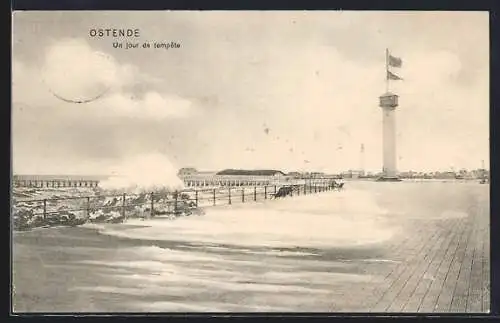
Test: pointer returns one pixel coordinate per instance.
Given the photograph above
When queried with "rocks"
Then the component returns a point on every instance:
(24, 219)
(103, 207)
(103, 216)
(65, 218)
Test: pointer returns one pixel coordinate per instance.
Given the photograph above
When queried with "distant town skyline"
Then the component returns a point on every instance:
(295, 91)
(285, 171)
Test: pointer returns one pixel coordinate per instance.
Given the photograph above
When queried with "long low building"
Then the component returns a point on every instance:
(229, 180)
(230, 177)
(233, 177)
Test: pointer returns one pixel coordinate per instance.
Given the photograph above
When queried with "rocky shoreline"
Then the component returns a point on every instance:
(75, 211)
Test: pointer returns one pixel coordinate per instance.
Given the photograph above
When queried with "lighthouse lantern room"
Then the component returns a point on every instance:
(388, 101)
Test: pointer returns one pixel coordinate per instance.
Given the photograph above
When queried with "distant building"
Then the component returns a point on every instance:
(295, 175)
(445, 175)
(187, 171)
(206, 173)
(352, 174)
(410, 174)
(232, 177)
(258, 172)
(244, 177)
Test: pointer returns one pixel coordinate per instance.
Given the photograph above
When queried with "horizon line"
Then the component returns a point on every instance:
(286, 172)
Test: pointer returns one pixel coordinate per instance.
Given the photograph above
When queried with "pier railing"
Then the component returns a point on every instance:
(119, 207)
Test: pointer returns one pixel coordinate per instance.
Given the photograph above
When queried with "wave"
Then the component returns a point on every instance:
(314, 221)
(167, 274)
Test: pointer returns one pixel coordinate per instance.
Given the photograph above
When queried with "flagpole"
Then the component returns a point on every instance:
(387, 70)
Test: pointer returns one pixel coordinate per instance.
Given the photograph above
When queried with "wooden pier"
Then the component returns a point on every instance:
(444, 267)
(53, 181)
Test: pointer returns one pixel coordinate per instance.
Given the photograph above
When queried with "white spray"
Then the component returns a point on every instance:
(144, 173)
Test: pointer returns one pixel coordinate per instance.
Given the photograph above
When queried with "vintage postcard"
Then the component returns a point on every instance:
(250, 161)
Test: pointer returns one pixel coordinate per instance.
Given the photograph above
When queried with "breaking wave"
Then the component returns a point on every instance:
(331, 219)
(144, 173)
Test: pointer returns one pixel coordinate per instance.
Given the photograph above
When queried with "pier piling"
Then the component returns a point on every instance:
(45, 209)
(152, 214)
(88, 207)
(123, 206)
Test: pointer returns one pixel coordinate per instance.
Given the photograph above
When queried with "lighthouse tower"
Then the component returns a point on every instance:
(389, 102)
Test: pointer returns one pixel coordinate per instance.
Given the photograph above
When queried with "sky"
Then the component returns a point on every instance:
(290, 90)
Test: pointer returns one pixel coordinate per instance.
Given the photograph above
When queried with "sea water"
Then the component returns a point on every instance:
(303, 253)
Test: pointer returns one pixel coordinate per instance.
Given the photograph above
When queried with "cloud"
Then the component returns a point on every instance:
(313, 81)
(74, 71)
(309, 100)
(431, 70)
(151, 106)
(51, 135)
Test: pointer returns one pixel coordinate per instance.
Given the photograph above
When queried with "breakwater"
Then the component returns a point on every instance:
(75, 210)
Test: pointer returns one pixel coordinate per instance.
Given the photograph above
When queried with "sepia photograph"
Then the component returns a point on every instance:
(250, 161)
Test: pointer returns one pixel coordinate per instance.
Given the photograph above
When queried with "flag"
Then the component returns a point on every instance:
(395, 61)
(392, 76)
